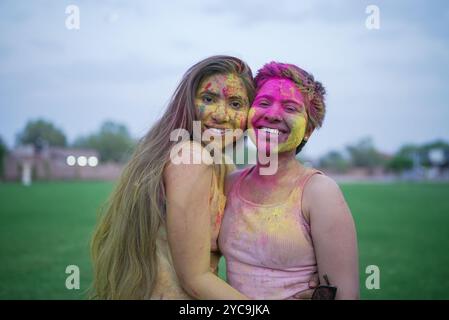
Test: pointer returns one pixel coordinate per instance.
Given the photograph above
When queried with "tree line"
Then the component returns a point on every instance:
(364, 154)
(114, 143)
(112, 140)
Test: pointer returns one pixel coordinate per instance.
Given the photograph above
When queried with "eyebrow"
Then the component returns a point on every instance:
(236, 97)
(268, 97)
(215, 94)
(300, 103)
(264, 97)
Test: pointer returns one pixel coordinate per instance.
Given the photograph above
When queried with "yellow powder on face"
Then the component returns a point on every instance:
(295, 137)
(251, 131)
(216, 106)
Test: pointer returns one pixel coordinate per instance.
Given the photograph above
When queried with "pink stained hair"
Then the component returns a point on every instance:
(312, 90)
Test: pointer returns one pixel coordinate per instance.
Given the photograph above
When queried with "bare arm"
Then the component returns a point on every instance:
(188, 229)
(334, 235)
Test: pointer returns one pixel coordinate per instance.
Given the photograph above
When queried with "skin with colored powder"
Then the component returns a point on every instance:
(157, 235)
(278, 110)
(270, 220)
(222, 106)
(221, 103)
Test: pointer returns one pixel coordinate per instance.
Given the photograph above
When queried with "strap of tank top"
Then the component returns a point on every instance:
(302, 183)
(309, 172)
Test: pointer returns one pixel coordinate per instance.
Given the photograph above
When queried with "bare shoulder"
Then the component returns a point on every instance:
(188, 160)
(321, 185)
(321, 194)
(188, 152)
(231, 179)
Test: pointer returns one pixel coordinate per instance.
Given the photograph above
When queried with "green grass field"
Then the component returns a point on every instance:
(402, 228)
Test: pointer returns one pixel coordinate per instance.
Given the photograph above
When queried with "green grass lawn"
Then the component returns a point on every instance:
(402, 228)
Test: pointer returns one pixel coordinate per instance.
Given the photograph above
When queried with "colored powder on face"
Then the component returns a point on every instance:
(282, 90)
(242, 120)
(215, 105)
(251, 131)
(295, 137)
(202, 109)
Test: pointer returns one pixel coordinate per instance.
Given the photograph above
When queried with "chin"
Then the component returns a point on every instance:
(267, 149)
(218, 144)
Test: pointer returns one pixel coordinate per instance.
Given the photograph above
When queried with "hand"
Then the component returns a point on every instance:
(307, 294)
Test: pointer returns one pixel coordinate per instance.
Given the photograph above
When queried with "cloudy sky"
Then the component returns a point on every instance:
(126, 59)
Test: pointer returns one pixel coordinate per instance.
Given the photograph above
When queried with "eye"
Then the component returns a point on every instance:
(291, 108)
(264, 103)
(207, 99)
(236, 104)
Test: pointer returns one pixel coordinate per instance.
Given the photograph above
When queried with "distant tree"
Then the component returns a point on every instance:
(425, 150)
(421, 154)
(400, 163)
(3, 151)
(335, 161)
(364, 154)
(41, 132)
(112, 141)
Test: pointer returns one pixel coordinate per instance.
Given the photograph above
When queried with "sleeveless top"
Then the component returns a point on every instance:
(268, 247)
(167, 283)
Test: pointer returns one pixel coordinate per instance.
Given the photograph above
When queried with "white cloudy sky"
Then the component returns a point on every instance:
(127, 58)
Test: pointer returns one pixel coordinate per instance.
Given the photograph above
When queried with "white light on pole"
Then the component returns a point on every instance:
(92, 161)
(82, 161)
(436, 156)
(71, 161)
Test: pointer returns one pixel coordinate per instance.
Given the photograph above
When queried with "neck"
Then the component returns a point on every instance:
(286, 165)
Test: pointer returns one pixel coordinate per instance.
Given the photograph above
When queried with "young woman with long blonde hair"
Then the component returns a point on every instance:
(157, 236)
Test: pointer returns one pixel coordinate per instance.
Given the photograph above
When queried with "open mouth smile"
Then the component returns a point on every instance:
(271, 131)
(216, 131)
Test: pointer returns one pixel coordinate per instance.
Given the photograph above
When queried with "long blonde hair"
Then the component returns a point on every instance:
(123, 247)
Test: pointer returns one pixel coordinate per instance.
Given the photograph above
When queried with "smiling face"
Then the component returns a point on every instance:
(278, 111)
(221, 104)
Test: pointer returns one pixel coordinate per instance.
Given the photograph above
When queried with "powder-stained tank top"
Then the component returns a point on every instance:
(268, 248)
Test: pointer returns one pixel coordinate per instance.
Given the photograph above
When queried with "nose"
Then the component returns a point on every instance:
(220, 115)
(273, 114)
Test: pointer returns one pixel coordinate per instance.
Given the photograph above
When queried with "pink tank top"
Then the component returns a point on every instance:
(268, 248)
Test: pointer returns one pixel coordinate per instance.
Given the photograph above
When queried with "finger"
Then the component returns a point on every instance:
(314, 282)
(304, 295)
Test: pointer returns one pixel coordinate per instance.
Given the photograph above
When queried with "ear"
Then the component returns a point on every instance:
(308, 132)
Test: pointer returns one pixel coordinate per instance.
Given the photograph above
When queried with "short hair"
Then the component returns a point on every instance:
(313, 91)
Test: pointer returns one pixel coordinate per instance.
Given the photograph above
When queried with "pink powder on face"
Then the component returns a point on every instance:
(225, 92)
(279, 104)
(281, 89)
(276, 92)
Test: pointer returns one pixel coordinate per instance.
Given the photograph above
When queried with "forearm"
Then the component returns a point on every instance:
(347, 284)
(208, 286)
(339, 261)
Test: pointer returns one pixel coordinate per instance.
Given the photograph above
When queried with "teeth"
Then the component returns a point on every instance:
(270, 130)
(217, 131)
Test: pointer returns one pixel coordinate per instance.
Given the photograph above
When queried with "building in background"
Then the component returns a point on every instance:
(27, 163)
